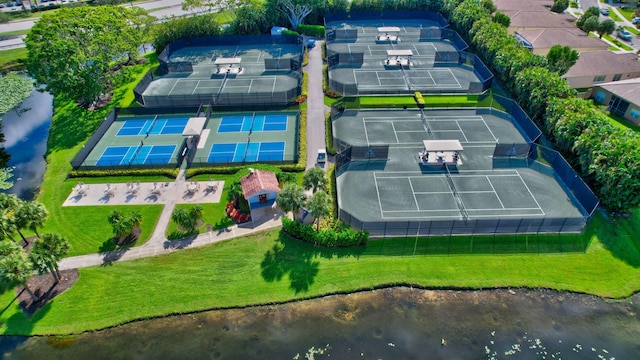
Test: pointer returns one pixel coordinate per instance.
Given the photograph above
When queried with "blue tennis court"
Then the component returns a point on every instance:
(253, 123)
(157, 126)
(136, 155)
(243, 152)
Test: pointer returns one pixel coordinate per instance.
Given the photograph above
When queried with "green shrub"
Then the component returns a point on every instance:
(170, 173)
(290, 32)
(311, 30)
(341, 237)
(328, 135)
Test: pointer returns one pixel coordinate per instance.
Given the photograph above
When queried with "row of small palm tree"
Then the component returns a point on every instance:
(17, 215)
(187, 220)
(292, 197)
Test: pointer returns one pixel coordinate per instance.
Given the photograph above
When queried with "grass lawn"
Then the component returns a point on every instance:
(16, 32)
(618, 43)
(627, 12)
(269, 267)
(86, 228)
(12, 57)
(622, 123)
(632, 30)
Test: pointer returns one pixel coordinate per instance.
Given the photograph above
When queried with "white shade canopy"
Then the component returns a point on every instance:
(442, 145)
(194, 126)
(388, 29)
(227, 61)
(399, 53)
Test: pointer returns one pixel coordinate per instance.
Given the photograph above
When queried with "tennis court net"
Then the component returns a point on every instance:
(463, 210)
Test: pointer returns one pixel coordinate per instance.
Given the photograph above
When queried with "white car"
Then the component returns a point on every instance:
(322, 156)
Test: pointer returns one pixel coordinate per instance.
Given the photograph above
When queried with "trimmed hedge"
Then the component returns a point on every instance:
(311, 30)
(170, 173)
(328, 135)
(344, 237)
(290, 32)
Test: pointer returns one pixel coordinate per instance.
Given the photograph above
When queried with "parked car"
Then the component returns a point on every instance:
(604, 11)
(322, 156)
(311, 43)
(1, 6)
(635, 20)
(625, 35)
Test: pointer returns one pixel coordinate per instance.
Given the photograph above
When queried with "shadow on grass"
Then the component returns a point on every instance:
(21, 323)
(296, 259)
(479, 244)
(180, 239)
(619, 235)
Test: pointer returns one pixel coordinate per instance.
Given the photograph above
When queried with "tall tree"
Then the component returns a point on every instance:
(9, 205)
(47, 251)
(217, 7)
(319, 205)
(606, 27)
(295, 12)
(291, 198)
(315, 179)
(15, 267)
(591, 24)
(121, 224)
(561, 58)
(74, 50)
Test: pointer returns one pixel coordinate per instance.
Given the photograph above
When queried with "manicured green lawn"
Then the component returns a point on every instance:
(269, 267)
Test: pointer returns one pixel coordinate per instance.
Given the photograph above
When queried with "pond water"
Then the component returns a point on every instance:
(400, 323)
(26, 131)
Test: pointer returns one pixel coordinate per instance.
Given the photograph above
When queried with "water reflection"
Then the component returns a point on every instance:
(397, 323)
(26, 130)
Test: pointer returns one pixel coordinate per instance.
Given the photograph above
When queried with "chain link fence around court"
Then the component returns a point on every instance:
(378, 16)
(494, 244)
(77, 163)
(464, 59)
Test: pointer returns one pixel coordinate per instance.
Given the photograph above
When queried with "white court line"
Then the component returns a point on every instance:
(273, 88)
(488, 128)
(395, 133)
(494, 190)
(249, 88)
(414, 194)
(530, 193)
(378, 77)
(366, 134)
(378, 193)
(195, 88)
(462, 131)
(431, 192)
(174, 85)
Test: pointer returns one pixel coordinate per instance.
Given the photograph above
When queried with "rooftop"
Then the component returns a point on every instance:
(528, 5)
(592, 63)
(626, 89)
(258, 181)
(573, 37)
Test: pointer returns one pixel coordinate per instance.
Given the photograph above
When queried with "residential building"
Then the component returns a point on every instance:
(598, 67)
(621, 97)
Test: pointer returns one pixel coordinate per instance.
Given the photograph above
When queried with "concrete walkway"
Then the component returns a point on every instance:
(316, 109)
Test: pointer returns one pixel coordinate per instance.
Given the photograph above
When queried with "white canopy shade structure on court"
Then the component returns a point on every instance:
(440, 152)
(399, 57)
(388, 33)
(228, 65)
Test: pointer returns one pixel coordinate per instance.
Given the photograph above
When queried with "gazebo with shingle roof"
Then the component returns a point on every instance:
(260, 188)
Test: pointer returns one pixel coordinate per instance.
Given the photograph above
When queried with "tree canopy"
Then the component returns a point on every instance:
(73, 50)
(561, 58)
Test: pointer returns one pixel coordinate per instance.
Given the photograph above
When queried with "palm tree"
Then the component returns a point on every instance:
(7, 226)
(291, 198)
(314, 179)
(15, 267)
(121, 227)
(37, 214)
(47, 251)
(196, 213)
(135, 219)
(319, 205)
(182, 217)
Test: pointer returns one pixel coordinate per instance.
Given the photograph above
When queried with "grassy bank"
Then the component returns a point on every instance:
(269, 267)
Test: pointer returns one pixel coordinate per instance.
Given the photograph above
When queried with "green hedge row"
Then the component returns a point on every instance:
(344, 237)
(311, 30)
(600, 151)
(328, 135)
(170, 173)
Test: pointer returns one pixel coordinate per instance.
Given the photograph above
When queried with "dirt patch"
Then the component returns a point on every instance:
(46, 289)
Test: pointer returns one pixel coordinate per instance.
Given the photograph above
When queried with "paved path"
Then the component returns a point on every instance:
(315, 105)
(158, 244)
